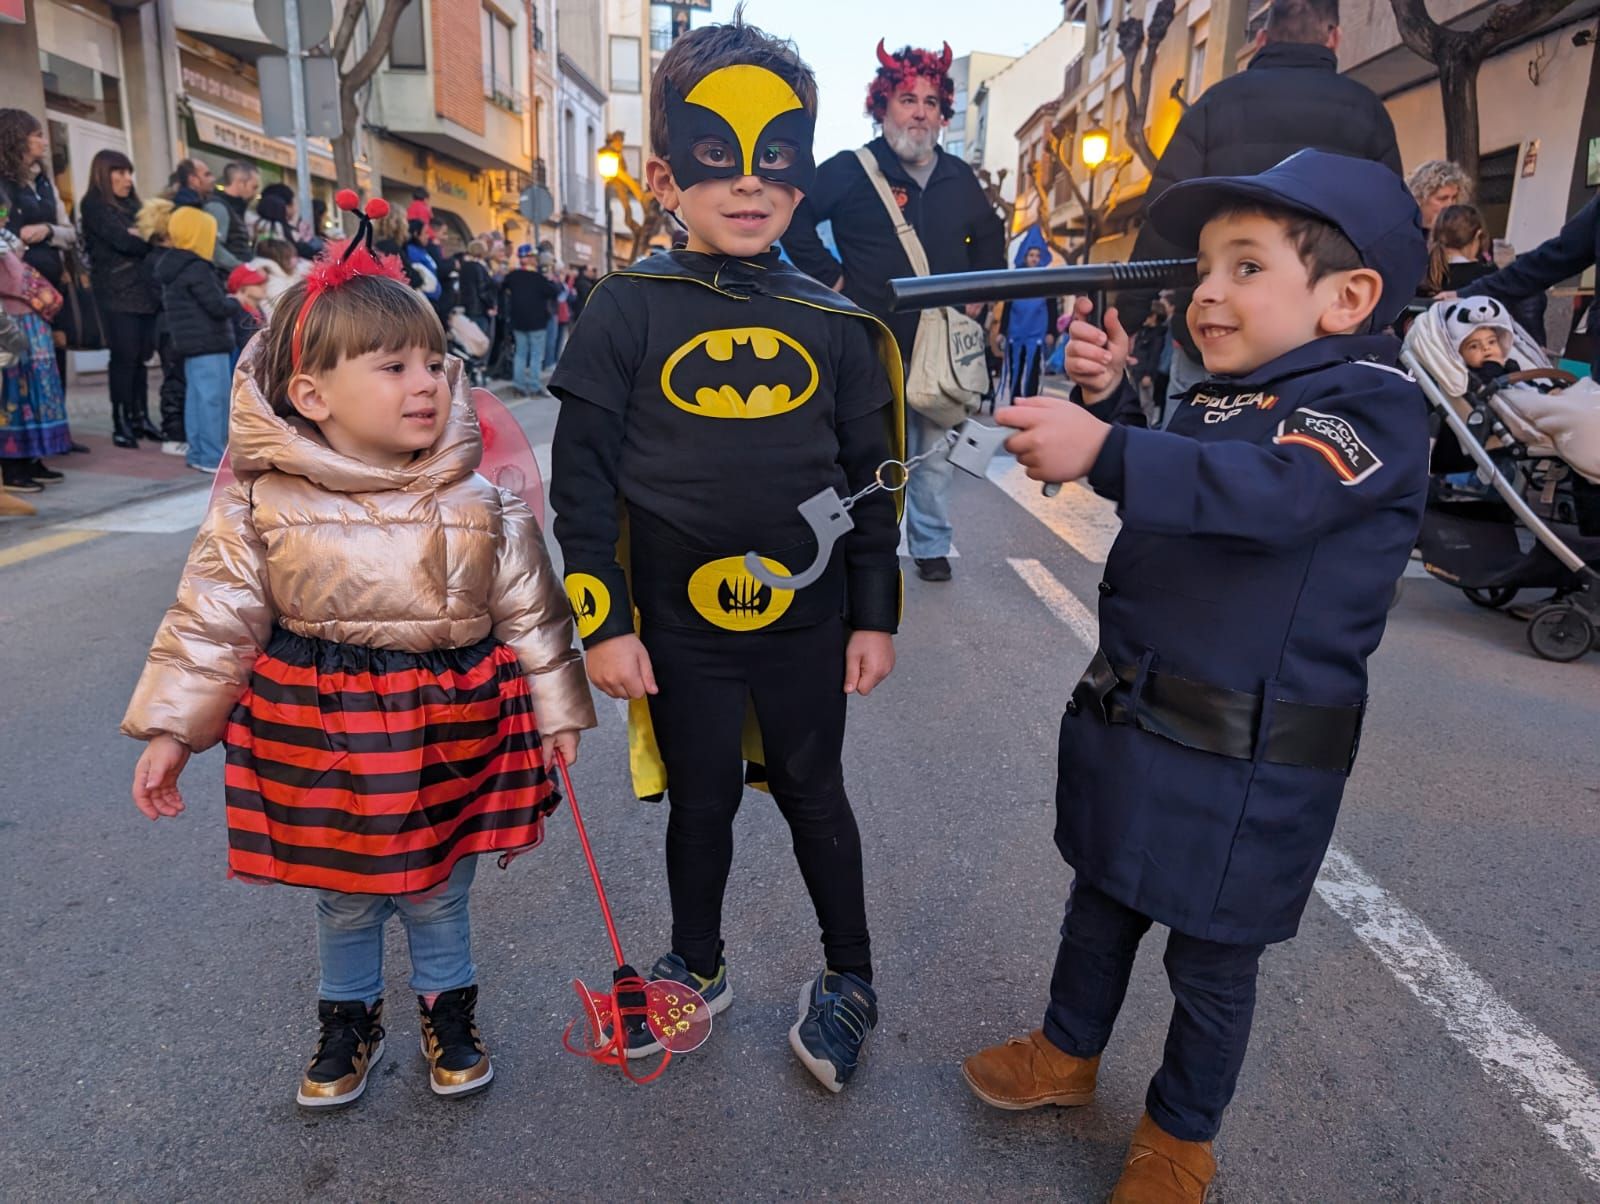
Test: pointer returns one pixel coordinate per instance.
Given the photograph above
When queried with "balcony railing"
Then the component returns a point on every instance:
(500, 92)
(539, 173)
(660, 37)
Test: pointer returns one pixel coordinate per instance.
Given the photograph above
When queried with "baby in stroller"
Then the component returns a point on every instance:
(1519, 446)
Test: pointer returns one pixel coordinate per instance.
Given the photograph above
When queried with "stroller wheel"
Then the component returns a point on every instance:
(1493, 597)
(1560, 633)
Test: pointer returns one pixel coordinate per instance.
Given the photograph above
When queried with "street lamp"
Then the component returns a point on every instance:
(608, 162)
(1093, 147)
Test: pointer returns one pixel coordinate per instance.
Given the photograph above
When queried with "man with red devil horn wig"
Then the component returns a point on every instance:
(911, 98)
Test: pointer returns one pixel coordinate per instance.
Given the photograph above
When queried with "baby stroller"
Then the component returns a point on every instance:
(1540, 455)
(469, 342)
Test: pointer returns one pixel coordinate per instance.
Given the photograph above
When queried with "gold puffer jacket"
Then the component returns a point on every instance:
(419, 558)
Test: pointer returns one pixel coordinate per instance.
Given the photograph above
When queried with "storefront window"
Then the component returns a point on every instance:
(80, 91)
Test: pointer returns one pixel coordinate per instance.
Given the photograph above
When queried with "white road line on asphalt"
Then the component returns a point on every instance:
(1078, 515)
(184, 510)
(1063, 603)
(181, 511)
(1550, 1087)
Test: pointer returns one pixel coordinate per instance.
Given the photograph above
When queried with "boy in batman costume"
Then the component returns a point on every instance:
(705, 393)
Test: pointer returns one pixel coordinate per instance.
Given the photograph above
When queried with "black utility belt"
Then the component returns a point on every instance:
(680, 586)
(1213, 719)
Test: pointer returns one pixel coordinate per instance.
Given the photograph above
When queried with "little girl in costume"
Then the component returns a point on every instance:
(377, 634)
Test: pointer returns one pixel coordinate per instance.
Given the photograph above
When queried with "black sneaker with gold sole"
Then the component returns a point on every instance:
(350, 1046)
(458, 1061)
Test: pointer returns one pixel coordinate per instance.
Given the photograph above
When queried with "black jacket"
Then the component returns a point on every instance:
(528, 299)
(1575, 247)
(1290, 98)
(475, 288)
(197, 310)
(32, 204)
(116, 257)
(957, 226)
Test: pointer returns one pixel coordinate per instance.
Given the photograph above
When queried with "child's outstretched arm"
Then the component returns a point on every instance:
(203, 652)
(533, 617)
(871, 549)
(1061, 440)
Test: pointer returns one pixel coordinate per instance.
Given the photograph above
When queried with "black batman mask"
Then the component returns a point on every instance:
(739, 121)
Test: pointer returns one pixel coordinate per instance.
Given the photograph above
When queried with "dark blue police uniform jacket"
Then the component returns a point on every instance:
(1262, 534)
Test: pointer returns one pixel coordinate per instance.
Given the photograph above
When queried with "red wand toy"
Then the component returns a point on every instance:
(672, 1012)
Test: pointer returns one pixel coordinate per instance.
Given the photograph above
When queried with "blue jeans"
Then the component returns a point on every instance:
(1214, 1001)
(206, 381)
(928, 492)
(350, 939)
(552, 341)
(527, 358)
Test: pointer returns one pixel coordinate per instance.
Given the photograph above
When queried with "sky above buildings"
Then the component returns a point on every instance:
(838, 38)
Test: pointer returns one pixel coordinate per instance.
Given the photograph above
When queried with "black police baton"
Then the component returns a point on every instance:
(967, 288)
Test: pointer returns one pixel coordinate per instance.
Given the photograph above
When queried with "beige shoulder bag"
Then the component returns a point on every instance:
(948, 374)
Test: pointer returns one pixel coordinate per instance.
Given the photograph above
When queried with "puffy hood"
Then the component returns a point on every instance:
(193, 230)
(1466, 314)
(260, 441)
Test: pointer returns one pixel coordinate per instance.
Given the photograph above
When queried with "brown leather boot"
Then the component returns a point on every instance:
(1029, 1072)
(1163, 1170)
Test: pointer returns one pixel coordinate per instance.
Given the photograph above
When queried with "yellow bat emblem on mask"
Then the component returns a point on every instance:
(743, 372)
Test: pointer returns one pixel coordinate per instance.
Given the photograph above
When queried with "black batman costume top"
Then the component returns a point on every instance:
(711, 396)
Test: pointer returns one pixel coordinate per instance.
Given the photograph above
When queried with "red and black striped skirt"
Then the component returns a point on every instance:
(373, 771)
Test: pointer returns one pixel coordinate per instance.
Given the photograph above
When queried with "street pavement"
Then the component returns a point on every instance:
(1430, 1035)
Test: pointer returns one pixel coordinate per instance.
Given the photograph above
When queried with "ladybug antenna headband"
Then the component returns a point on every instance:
(343, 262)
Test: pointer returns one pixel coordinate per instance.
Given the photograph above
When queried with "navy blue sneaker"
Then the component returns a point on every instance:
(837, 1014)
(715, 991)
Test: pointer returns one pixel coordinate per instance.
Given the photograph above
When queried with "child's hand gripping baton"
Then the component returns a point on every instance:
(672, 1012)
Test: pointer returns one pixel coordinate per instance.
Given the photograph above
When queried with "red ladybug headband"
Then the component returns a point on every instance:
(343, 262)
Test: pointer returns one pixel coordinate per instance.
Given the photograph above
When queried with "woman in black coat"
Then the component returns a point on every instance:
(122, 291)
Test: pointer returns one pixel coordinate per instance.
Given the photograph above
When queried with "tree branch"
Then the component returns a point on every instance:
(1506, 22)
(1420, 32)
(353, 80)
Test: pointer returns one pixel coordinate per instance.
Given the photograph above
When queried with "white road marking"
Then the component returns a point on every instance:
(1549, 1086)
(181, 511)
(1063, 603)
(1077, 515)
(1560, 1097)
(184, 510)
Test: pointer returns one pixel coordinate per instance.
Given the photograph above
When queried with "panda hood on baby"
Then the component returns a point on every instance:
(1463, 316)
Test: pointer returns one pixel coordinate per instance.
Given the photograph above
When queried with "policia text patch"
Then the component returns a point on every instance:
(1334, 439)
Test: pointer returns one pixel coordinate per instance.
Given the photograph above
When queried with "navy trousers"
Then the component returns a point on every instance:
(1214, 1000)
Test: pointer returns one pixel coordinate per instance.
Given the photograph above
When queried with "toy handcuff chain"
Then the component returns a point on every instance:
(969, 447)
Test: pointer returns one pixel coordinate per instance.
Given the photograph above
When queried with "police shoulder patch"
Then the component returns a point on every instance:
(1334, 439)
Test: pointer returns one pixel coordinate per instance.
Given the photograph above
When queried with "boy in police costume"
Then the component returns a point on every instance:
(1204, 752)
(707, 392)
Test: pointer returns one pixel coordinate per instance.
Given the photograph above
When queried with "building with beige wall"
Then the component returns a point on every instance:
(1005, 99)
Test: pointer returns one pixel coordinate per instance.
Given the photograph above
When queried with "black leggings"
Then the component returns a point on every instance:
(131, 339)
(795, 679)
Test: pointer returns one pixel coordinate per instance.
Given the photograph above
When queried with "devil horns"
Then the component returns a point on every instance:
(894, 64)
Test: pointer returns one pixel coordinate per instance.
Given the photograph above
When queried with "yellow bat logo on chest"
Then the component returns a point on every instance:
(742, 372)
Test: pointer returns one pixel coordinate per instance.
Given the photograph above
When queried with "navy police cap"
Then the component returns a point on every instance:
(1364, 199)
